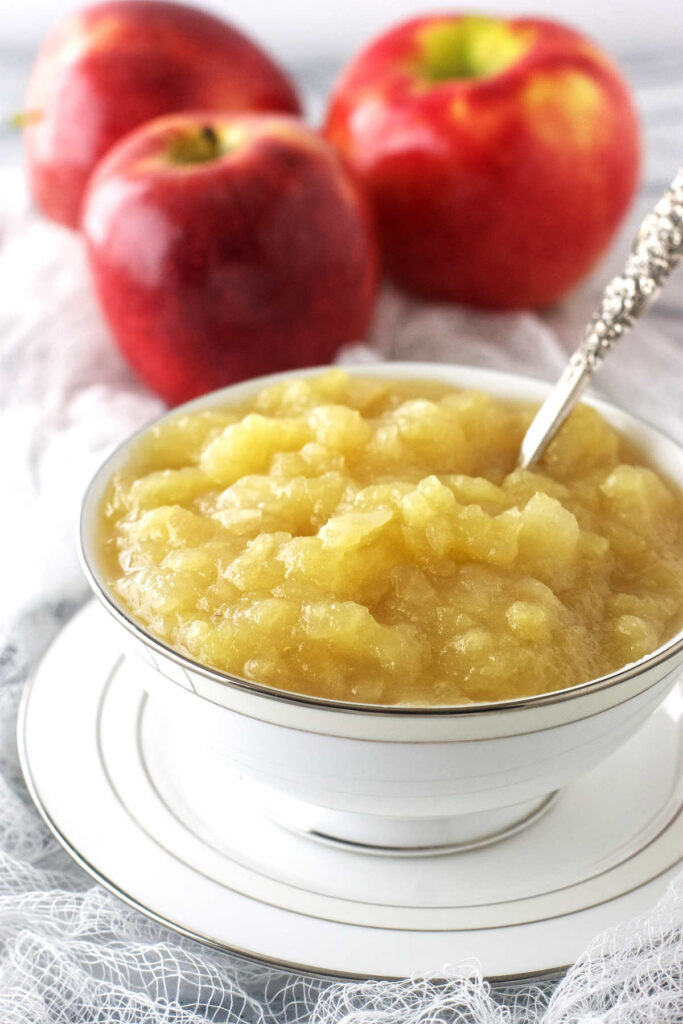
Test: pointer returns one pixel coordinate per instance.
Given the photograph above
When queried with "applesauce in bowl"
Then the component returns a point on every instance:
(316, 561)
(372, 541)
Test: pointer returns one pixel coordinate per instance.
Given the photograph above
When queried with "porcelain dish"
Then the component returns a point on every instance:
(399, 778)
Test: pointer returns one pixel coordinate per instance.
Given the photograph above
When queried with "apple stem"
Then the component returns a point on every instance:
(211, 139)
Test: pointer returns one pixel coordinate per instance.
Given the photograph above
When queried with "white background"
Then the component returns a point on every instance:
(302, 30)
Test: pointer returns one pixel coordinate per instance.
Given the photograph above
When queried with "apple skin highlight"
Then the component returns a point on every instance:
(499, 159)
(107, 69)
(212, 267)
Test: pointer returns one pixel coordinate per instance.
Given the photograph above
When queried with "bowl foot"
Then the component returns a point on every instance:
(400, 836)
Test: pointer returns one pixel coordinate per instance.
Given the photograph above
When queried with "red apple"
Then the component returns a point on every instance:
(227, 246)
(109, 68)
(499, 156)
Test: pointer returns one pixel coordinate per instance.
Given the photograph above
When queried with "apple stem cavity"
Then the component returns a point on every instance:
(469, 47)
(197, 147)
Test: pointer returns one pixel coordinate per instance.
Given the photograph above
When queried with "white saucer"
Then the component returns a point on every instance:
(105, 767)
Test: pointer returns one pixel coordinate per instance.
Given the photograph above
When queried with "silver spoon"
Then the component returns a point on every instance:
(656, 250)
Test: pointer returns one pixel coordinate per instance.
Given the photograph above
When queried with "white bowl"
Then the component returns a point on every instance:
(394, 778)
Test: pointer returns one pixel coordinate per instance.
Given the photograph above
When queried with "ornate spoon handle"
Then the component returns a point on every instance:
(656, 250)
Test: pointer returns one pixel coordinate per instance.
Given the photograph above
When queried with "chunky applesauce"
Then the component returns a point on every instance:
(372, 541)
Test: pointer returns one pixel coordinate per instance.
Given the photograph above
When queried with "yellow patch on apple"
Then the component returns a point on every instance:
(565, 106)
